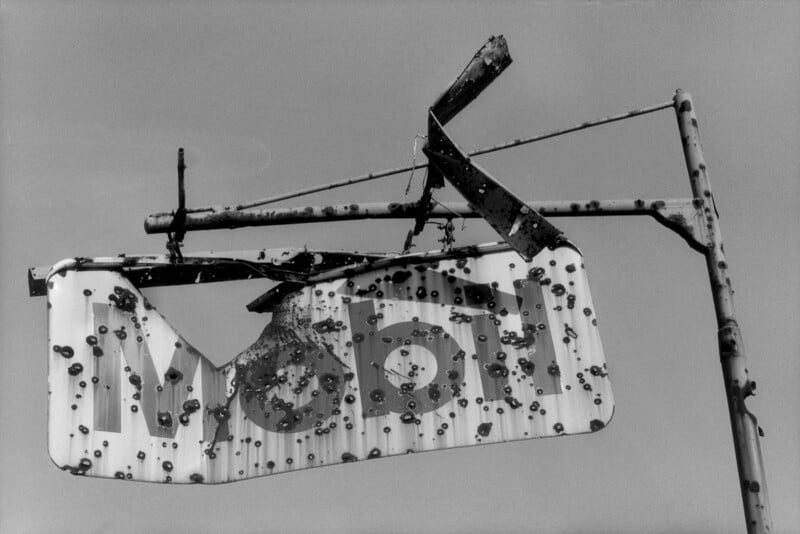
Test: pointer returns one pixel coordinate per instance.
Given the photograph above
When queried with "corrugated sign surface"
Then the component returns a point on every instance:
(461, 351)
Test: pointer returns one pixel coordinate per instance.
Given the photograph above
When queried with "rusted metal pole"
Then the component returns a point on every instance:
(231, 218)
(181, 188)
(485, 66)
(738, 385)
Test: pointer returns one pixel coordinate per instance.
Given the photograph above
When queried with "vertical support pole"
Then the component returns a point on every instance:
(738, 386)
(177, 228)
(181, 188)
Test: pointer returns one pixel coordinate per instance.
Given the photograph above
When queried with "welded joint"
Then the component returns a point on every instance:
(691, 219)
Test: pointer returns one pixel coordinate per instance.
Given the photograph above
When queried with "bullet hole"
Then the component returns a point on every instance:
(98, 453)
(452, 374)
(326, 326)
(598, 401)
(167, 466)
(164, 419)
(173, 376)
(553, 370)
(348, 457)
(197, 478)
(120, 475)
(484, 429)
(407, 387)
(66, 351)
(257, 444)
(536, 273)
(463, 403)
(512, 402)
(421, 292)
(570, 332)
(121, 334)
(407, 417)
(141, 455)
(135, 380)
(434, 393)
(329, 382)
(83, 429)
(497, 370)
(377, 395)
(358, 337)
(596, 424)
(75, 369)
(87, 292)
(270, 465)
(558, 427)
(289, 461)
(124, 299)
(526, 366)
(374, 453)
(597, 371)
(95, 380)
(190, 406)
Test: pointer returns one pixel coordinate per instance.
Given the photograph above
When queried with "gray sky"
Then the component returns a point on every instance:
(266, 98)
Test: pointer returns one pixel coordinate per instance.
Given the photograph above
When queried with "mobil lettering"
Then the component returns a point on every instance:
(408, 367)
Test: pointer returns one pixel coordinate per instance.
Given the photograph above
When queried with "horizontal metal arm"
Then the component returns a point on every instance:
(684, 216)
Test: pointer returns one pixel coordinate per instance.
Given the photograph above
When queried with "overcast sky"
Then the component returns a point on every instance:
(96, 97)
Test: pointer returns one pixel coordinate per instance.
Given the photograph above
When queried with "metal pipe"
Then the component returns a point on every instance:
(181, 188)
(738, 385)
(230, 218)
(398, 170)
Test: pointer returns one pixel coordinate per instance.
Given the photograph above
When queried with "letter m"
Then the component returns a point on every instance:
(125, 365)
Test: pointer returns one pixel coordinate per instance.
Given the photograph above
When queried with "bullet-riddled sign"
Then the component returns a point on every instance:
(472, 348)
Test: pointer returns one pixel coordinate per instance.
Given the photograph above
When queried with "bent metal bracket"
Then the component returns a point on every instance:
(365, 356)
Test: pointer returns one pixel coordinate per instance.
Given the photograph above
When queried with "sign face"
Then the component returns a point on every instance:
(411, 357)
